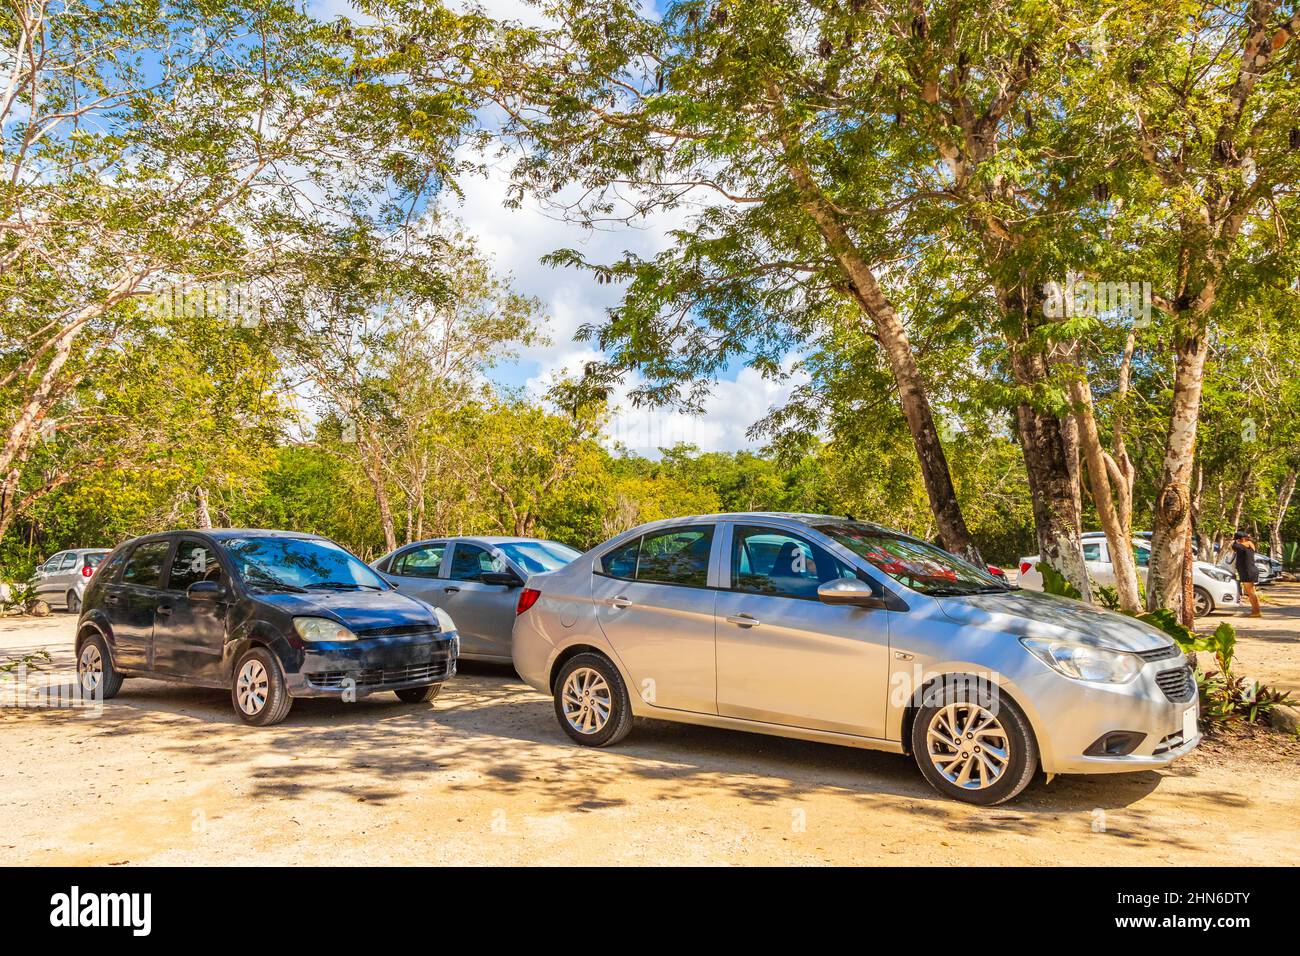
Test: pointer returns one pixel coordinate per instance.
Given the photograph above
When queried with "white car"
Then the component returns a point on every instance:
(1214, 588)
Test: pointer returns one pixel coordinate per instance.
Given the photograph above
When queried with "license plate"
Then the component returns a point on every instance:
(1189, 723)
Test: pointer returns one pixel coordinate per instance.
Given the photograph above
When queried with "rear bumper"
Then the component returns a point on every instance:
(357, 668)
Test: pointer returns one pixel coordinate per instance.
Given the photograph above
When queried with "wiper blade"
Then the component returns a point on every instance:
(278, 586)
(342, 585)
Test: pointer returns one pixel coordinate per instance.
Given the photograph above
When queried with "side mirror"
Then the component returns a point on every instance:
(847, 591)
(504, 578)
(205, 591)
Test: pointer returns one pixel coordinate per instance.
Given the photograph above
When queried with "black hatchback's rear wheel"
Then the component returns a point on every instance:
(418, 695)
(98, 677)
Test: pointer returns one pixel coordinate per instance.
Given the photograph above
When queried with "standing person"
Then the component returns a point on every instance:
(1243, 557)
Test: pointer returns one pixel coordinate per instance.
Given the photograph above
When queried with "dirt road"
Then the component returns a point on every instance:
(484, 775)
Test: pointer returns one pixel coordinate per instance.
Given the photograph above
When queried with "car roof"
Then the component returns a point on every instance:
(789, 517)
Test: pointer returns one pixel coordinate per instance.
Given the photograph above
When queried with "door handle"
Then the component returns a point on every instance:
(163, 610)
(112, 599)
(450, 590)
(744, 620)
(620, 601)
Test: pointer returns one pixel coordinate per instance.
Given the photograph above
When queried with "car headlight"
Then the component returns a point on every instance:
(1219, 574)
(1084, 661)
(321, 629)
(445, 623)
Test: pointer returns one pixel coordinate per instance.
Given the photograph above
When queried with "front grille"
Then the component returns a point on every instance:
(1178, 684)
(1160, 653)
(401, 630)
(379, 676)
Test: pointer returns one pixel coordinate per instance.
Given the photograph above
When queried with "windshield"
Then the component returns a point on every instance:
(299, 564)
(920, 566)
(93, 560)
(536, 557)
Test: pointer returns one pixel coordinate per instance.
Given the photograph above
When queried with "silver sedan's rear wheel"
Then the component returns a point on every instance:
(591, 700)
(972, 742)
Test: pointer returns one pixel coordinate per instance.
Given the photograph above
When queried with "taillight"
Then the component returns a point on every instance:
(1024, 567)
(87, 571)
(527, 598)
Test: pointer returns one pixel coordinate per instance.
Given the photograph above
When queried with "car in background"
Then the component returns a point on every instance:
(62, 580)
(268, 615)
(1213, 588)
(834, 630)
(476, 581)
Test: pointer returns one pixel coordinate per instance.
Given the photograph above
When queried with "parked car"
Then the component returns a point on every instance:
(829, 629)
(270, 615)
(476, 581)
(1214, 589)
(62, 580)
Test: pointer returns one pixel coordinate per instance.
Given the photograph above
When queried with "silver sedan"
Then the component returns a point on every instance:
(828, 629)
(476, 581)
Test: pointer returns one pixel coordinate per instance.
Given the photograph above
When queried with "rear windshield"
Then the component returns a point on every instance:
(94, 560)
(536, 557)
(912, 563)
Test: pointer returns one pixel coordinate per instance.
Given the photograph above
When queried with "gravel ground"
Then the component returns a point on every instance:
(483, 775)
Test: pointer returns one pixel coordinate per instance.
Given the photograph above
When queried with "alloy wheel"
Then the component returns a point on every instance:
(251, 687)
(968, 746)
(91, 668)
(587, 700)
(1202, 606)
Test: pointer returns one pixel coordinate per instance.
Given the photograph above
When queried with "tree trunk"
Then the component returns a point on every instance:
(1284, 492)
(902, 361)
(202, 516)
(1173, 502)
(1119, 535)
(375, 474)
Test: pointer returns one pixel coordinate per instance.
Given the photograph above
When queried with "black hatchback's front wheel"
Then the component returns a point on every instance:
(418, 695)
(95, 671)
(973, 743)
(258, 690)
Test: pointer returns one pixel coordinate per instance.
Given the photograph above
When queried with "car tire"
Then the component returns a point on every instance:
(1203, 604)
(964, 766)
(418, 695)
(591, 701)
(258, 690)
(74, 603)
(94, 660)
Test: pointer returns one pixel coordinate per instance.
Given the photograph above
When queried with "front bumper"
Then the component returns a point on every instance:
(1076, 714)
(373, 665)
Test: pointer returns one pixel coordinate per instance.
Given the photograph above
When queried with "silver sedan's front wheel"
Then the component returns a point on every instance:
(972, 742)
(968, 746)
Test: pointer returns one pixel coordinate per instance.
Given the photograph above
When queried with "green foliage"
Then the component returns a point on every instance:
(31, 661)
(1054, 582)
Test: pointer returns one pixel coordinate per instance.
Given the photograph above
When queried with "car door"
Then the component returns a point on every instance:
(655, 604)
(1096, 559)
(783, 656)
(189, 637)
(46, 574)
(132, 603)
(418, 571)
(484, 613)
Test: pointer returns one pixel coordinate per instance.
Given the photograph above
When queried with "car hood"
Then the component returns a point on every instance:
(358, 610)
(1034, 614)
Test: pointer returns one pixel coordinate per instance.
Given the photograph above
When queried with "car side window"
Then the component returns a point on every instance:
(621, 562)
(423, 562)
(110, 570)
(676, 556)
(766, 561)
(194, 562)
(469, 561)
(69, 562)
(53, 563)
(1092, 552)
(1142, 556)
(144, 567)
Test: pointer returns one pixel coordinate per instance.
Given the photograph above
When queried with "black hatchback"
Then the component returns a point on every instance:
(271, 615)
